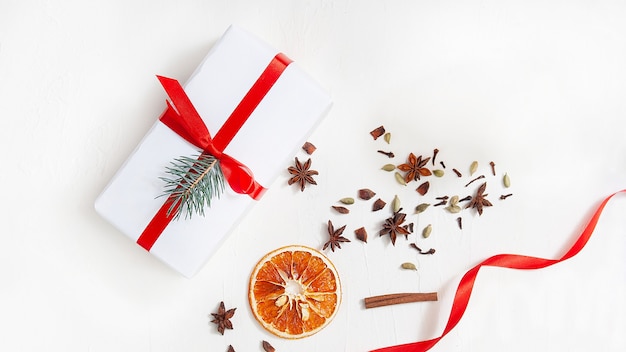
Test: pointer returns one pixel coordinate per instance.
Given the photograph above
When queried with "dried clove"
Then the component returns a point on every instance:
(388, 154)
(430, 251)
(435, 155)
(477, 178)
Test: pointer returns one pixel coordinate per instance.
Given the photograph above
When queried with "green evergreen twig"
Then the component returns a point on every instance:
(195, 181)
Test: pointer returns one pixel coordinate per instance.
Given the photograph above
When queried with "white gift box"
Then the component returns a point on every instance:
(266, 144)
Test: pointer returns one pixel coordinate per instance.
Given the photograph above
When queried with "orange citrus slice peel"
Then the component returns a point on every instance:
(294, 291)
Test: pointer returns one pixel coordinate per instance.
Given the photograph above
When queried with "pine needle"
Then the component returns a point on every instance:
(195, 182)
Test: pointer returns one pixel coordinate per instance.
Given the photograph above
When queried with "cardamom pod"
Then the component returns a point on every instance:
(427, 230)
(400, 179)
(473, 167)
(409, 266)
(347, 200)
(389, 167)
(454, 200)
(438, 172)
(420, 208)
(453, 209)
(387, 137)
(506, 180)
(395, 204)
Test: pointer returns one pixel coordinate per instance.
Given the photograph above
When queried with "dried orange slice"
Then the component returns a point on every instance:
(294, 291)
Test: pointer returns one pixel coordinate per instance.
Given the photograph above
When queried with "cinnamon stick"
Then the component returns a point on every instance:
(398, 298)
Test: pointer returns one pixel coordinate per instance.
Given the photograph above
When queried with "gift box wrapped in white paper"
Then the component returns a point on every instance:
(290, 110)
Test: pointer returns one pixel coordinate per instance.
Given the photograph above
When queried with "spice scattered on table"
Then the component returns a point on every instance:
(361, 234)
(302, 174)
(309, 148)
(388, 154)
(267, 347)
(347, 200)
(415, 168)
(420, 251)
(395, 226)
(222, 318)
(479, 201)
(378, 204)
(398, 298)
(422, 189)
(506, 180)
(408, 266)
(377, 132)
(335, 237)
(366, 193)
(340, 209)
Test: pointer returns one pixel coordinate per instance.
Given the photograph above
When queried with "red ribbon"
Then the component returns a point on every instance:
(511, 261)
(182, 117)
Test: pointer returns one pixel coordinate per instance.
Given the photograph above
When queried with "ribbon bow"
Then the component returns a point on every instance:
(182, 118)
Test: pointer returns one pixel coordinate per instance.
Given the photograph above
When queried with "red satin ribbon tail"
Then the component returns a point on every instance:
(181, 116)
(421, 346)
(509, 261)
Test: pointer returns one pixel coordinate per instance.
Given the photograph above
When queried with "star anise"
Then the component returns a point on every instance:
(302, 174)
(414, 168)
(335, 237)
(222, 318)
(393, 226)
(479, 201)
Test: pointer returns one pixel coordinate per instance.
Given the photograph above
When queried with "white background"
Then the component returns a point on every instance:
(536, 86)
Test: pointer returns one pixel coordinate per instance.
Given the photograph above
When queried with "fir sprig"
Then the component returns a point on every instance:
(195, 181)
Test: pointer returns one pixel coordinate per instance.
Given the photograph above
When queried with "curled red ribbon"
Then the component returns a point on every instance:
(182, 118)
(511, 261)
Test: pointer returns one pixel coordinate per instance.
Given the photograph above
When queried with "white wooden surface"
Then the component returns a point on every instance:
(536, 86)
